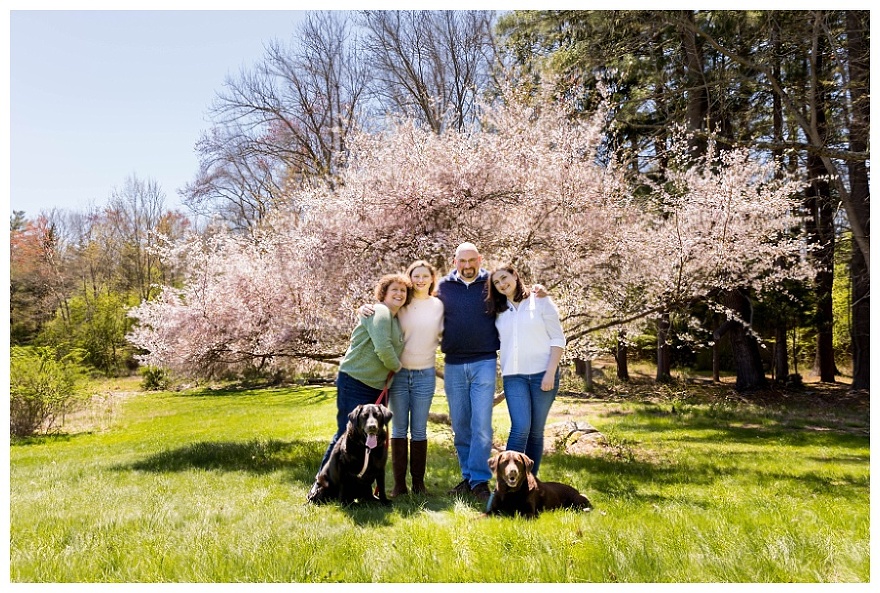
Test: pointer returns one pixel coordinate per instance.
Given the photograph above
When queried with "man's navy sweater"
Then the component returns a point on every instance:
(469, 332)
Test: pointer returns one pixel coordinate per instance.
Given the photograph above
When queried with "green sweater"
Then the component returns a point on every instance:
(376, 344)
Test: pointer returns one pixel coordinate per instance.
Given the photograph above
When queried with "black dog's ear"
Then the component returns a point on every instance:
(493, 462)
(386, 413)
(353, 415)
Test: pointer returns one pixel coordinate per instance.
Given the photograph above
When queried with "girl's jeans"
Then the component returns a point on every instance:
(528, 407)
(409, 399)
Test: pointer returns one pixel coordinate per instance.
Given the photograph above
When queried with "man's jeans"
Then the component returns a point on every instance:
(409, 399)
(528, 407)
(470, 389)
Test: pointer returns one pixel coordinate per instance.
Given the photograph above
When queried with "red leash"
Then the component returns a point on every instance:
(383, 401)
(383, 396)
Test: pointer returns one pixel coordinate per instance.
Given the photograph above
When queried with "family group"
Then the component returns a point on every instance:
(472, 314)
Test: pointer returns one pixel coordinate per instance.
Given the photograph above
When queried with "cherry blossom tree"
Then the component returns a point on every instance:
(531, 186)
(248, 302)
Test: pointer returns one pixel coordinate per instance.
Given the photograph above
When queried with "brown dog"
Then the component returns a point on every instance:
(518, 491)
(357, 460)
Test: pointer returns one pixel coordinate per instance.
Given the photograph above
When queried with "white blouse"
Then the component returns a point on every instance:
(527, 334)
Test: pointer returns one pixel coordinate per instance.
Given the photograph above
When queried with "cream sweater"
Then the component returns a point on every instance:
(421, 322)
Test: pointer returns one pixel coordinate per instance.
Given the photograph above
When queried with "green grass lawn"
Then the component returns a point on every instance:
(210, 486)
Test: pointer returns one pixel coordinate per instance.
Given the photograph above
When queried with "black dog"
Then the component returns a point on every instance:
(357, 460)
(518, 491)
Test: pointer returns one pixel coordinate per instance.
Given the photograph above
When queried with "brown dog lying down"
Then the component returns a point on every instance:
(357, 460)
(518, 491)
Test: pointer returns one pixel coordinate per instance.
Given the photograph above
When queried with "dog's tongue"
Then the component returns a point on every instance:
(371, 441)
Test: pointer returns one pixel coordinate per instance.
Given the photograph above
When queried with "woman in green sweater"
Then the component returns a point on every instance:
(374, 351)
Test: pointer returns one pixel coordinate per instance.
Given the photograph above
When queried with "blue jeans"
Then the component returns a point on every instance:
(350, 393)
(470, 389)
(409, 399)
(528, 407)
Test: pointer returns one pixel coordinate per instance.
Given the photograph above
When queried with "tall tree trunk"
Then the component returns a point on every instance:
(861, 321)
(716, 362)
(822, 230)
(746, 354)
(859, 67)
(584, 369)
(695, 82)
(821, 207)
(664, 356)
(620, 356)
(780, 352)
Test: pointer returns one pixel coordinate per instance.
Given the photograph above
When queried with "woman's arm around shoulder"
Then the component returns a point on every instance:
(379, 326)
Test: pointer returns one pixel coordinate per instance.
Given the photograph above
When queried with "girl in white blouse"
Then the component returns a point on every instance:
(532, 342)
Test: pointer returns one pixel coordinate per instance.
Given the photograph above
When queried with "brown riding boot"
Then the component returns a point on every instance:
(398, 466)
(418, 461)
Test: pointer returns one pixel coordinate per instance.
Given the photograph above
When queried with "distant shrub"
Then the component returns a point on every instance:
(155, 379)
(96, 326)
(42, 388)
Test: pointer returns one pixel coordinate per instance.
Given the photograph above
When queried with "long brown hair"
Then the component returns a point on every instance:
(420, 263)
(497, 302)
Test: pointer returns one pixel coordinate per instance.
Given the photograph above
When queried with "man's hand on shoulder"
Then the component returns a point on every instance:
(540, 291)
(366, 310)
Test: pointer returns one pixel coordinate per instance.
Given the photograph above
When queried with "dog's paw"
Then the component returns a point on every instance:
(315, 494)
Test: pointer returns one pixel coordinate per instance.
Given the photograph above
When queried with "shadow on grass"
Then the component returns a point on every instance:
(730, 425)
(624, 479)
(44, 439)
(441, 475)
(373, 514)
(307, 393)
(298, 459)
(638, 480)
(319, 395)
(368, 514)
(226, 391)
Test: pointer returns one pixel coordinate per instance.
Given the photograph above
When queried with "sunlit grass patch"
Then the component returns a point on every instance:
(210, 486)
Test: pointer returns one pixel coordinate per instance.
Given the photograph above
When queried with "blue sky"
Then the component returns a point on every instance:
(97, 96)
